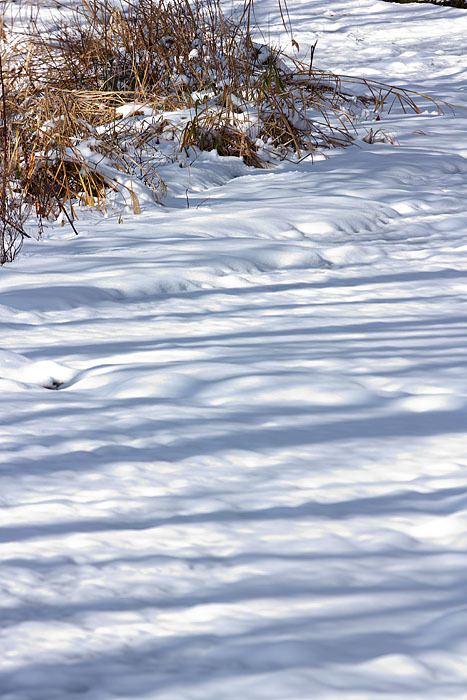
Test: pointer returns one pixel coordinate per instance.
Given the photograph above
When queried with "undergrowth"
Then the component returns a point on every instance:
(93, 105)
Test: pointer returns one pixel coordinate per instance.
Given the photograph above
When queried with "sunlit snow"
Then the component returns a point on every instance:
(233, 429)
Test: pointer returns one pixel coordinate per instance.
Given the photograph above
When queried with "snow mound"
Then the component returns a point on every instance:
(45, 373)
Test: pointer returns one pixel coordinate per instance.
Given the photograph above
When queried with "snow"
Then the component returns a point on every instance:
(233, 434)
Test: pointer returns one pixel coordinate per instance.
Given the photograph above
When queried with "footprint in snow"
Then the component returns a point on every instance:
(45, 373)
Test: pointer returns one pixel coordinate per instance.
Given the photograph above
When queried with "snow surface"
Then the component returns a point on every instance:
(250, 479)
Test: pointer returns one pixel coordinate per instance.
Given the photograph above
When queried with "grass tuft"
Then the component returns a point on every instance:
(92, 105)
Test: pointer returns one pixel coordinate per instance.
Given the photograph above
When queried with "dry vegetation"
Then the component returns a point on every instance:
(92, 105)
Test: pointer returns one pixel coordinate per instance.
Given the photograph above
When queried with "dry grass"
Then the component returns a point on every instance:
(67, 143)
(13, 209)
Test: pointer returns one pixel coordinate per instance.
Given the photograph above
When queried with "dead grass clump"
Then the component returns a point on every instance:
(93, 105)
(13, 209)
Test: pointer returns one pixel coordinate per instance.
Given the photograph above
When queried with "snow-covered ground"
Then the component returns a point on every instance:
(251, 481)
